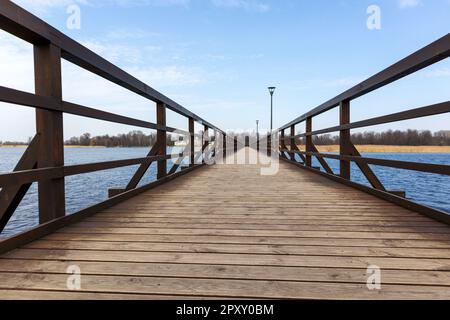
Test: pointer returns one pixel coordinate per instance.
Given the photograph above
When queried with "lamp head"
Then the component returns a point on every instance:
(272, 90)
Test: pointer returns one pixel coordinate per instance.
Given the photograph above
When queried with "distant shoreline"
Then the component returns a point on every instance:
(388, 149)
(330, 148)
(25, 146)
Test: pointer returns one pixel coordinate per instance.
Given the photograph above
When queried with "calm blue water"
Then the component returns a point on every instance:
(88, 189)
(82, 191)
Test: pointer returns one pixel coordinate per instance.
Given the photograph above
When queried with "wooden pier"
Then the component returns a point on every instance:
(224, 230)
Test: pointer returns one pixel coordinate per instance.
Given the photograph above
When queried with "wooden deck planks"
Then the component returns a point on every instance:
(229, 232)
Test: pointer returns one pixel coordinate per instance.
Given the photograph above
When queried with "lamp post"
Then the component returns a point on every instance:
(271, 90)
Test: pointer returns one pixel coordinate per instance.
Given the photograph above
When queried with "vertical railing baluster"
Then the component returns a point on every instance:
(215, 140)
(293, 147)
(224, 150)
(192, 141)
(282, 142)
(205, 142)
(49, 127)
(345, 140)
(161, 137)
(309, 141)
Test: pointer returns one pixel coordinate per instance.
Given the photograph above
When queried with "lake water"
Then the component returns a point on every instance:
(88, 189)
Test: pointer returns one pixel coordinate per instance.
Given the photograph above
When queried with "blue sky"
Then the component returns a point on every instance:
(217, 57)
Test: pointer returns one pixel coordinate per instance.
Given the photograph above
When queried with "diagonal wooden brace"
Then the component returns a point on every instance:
(11, 196)
(137, 177)
(179, 161)
(295, 148)
(365, 169)
(322, 161)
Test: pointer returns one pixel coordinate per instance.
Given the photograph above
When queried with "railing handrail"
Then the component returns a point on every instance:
(431, 54)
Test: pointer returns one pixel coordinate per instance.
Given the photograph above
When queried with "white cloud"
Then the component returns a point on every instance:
(115, 53)
(135, 33)
(250, 5)
(16, 63)
(438, 73)
(409, 3)
(140, 3)
(343, 82)
(170, 76)
(48, 3)
(45, 7)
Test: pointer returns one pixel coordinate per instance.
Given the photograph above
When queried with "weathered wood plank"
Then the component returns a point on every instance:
(216, 271)
(241, 248)
(232, 259)
(224, 288)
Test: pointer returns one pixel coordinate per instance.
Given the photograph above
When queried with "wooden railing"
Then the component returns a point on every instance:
(43, 161)
(433, 53)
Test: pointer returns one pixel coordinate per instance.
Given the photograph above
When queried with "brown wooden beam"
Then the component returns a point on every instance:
(12, 195)
(365, 169)
(205, 142)
(321, 160)
(140, 172)
(192, 141)
(309, 142)
(49, 127)
(282, 143)
(180, 159)
(345, 140)
(293, 145)
(161, 137)
(224, 147)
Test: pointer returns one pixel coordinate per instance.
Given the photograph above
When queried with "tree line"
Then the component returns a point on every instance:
(391, 138)
(131, 139)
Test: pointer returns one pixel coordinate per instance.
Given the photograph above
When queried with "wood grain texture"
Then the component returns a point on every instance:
(226, 231)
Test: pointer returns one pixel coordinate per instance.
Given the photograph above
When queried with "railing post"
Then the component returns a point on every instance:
(309, 140)
(192, 141)
(345, 139)
(49, 127)
(205, 142)
(215, 140)
(282, 142)
(161, 137)
(293, 146)
(224, 137)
